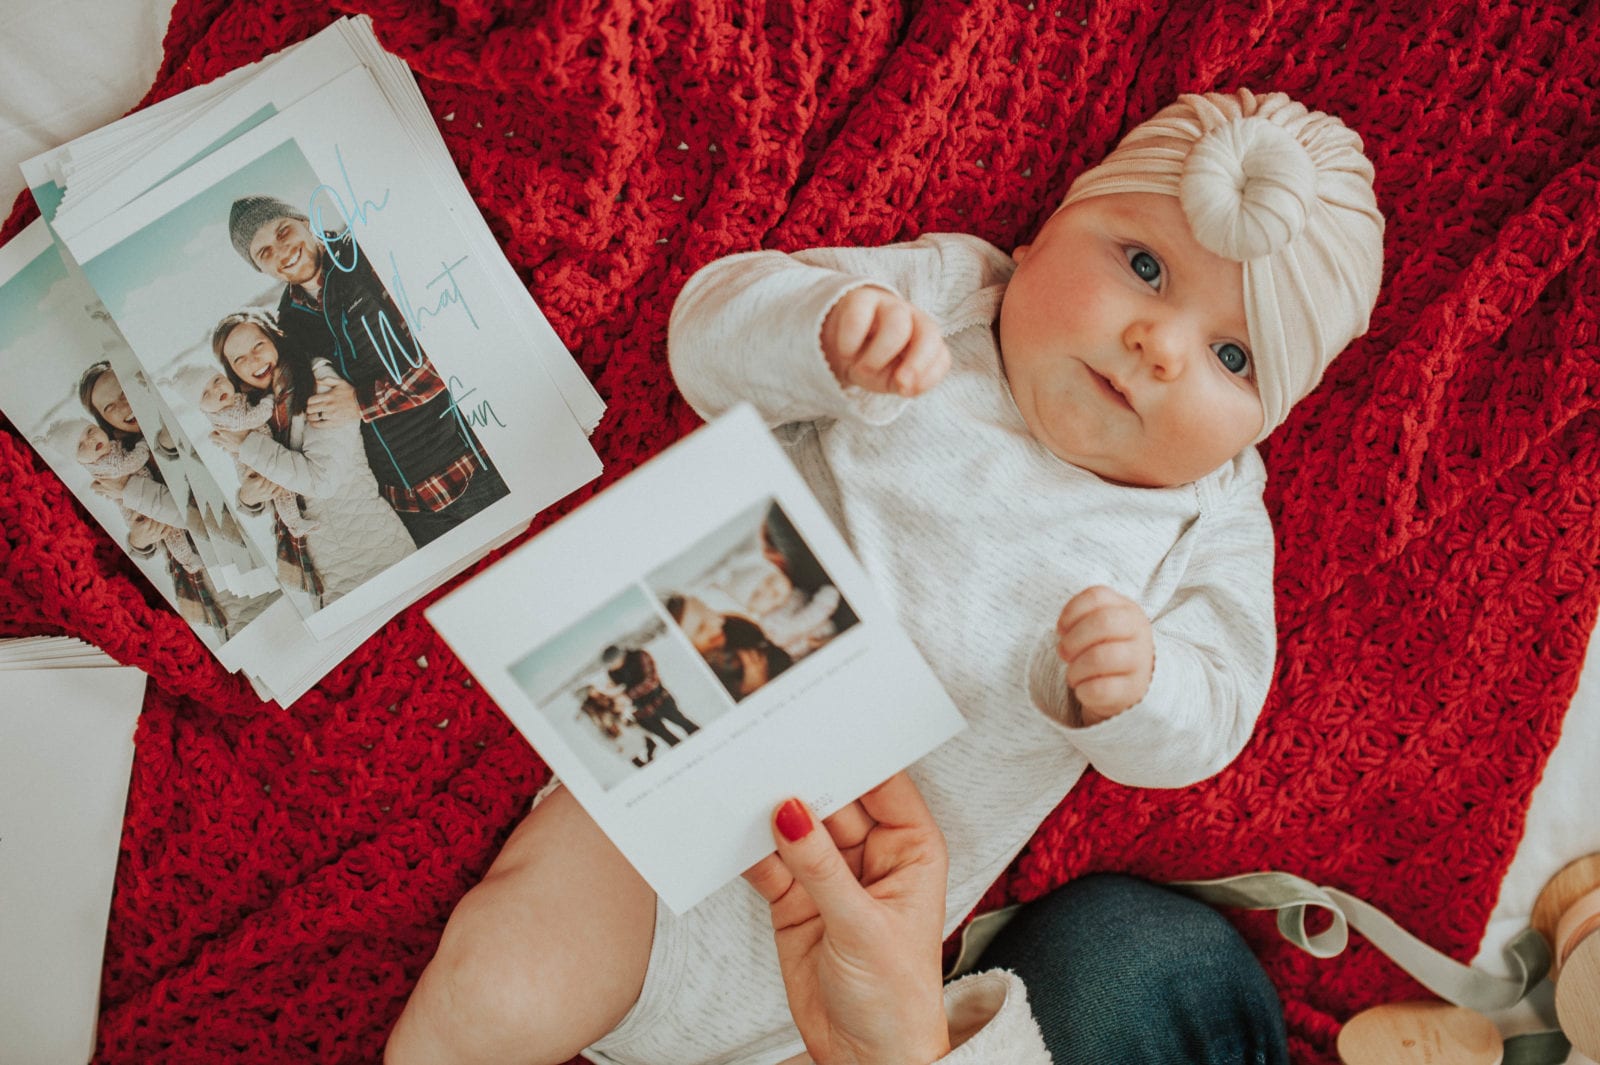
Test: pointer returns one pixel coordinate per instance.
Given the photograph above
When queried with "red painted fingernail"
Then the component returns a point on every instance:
(794, 821)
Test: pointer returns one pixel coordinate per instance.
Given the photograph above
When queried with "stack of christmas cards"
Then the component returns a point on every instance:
(266, 338)
(66, 752)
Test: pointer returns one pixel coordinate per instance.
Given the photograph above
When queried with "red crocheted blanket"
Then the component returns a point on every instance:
(285, 874)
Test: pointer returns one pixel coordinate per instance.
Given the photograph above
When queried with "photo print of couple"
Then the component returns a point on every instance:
(694, 644)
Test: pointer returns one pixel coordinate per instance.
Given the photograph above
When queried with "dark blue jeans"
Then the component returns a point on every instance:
(1122, 972)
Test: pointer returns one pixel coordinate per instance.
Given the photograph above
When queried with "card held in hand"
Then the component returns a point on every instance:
(693, 646)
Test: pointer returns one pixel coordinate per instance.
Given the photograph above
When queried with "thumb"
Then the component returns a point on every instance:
(813, 858)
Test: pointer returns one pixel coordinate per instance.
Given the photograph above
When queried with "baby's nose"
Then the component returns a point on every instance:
(1162, 343)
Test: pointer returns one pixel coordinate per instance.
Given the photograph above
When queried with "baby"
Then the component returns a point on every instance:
(1045, 460)
(106, 459)
(228, 411)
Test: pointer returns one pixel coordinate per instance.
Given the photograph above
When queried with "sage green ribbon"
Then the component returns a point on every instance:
(1528, 955)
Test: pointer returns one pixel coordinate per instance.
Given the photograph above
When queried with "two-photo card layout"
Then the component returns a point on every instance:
(687, 645)
(693, 645)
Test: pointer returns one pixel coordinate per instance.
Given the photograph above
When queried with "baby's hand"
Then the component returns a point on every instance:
(1109, 648)
(876, 340)
(229, 440)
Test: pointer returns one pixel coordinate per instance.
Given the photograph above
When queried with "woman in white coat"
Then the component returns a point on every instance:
(354, 534)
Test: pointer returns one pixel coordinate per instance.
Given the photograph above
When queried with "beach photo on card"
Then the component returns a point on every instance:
(621, 688)
(752, 599)
(63, 395)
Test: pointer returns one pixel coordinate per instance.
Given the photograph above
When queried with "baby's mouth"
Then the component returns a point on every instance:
(1109, 388)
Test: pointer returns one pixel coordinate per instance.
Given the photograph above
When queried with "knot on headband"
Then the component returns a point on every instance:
(1247, 188)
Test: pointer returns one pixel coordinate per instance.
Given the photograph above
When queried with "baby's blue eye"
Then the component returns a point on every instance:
(1234, 358)
(1147, 266)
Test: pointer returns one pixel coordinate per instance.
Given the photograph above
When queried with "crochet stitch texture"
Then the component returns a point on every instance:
(285, 874)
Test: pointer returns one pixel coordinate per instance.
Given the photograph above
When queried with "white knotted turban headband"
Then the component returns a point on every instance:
(1283, 190)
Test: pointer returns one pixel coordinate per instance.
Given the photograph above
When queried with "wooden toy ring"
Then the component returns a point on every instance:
(1567, 914)
(1420, 1033)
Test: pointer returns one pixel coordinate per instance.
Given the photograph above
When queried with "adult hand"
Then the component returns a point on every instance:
(1109, 648)
(858, 916)
(229, 440)
(754, 669)
(334, 404)
(876, 340)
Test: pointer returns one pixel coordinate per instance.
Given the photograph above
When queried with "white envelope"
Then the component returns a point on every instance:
(66, 751)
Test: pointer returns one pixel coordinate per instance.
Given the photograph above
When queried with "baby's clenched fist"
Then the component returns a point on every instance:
(875, 340)
(1109, 648)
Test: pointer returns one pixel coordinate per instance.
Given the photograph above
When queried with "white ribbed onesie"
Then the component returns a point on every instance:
(977, 536)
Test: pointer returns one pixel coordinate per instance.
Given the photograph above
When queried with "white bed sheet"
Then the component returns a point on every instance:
(71, 66)
(68, 67)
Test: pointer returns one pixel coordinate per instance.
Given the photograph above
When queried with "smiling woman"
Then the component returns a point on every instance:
(102, 393)
(249, 345)
(149, 506)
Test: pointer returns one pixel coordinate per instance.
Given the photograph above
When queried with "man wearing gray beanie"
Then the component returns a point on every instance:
(427, 462)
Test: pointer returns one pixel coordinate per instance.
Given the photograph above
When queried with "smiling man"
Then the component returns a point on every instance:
(427, 462)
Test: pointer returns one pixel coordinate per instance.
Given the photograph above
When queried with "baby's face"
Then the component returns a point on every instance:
(218, 394)
(93, 444)
(1125, 343)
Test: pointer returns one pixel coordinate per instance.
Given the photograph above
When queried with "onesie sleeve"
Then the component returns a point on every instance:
(991, 1023)
(1215, 646)
(748, 328)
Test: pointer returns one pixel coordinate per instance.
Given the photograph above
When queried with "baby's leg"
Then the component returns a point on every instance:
(542, 958)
